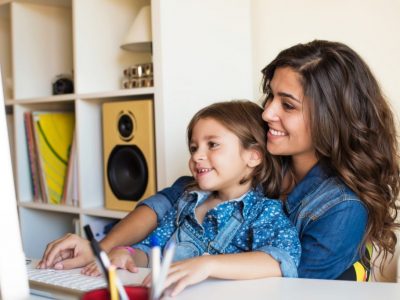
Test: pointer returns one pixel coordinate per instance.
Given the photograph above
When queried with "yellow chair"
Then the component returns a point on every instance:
(359, 271)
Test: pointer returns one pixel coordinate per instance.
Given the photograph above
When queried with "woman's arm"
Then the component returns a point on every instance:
(72, 251)
(331, 243)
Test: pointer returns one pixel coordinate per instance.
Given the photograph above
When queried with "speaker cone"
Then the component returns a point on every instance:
(127, 172)
(125, 126)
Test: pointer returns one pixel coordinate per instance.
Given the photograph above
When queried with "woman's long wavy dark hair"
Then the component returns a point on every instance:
(243, 118)
(353, 129)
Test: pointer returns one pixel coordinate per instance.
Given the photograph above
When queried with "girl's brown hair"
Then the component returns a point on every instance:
(353, 129)
(243, 118)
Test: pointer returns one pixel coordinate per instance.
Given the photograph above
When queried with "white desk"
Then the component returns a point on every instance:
(279, 288)
(291, 289)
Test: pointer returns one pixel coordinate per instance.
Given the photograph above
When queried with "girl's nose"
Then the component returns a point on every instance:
(198, 156)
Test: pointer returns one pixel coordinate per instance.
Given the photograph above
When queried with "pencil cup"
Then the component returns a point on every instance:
(134, 293)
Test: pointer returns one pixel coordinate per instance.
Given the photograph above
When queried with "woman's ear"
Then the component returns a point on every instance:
(255, 158)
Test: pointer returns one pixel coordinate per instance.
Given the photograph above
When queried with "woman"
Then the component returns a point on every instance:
(335, 135)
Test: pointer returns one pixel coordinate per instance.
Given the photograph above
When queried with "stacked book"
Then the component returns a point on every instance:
(52, 156)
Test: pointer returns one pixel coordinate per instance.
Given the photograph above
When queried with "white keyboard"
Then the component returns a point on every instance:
(67, 278)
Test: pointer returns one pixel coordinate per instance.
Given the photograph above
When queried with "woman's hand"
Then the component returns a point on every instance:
(119, 257)
(184, 273)
(70, 251)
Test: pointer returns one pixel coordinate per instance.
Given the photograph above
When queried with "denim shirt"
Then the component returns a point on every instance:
(249, 223)
(330, 219)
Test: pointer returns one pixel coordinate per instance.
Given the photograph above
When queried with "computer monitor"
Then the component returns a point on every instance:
(13, 274)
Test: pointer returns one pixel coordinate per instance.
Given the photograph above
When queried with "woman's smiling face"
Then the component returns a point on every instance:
(287, 113)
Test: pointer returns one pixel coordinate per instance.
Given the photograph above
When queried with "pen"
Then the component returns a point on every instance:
(104, 261)
(166, 263)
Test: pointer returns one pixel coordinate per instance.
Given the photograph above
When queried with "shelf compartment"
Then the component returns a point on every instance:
(40, 227)
(23, 178)
(99, 225)
(99, 60)
(42, 47)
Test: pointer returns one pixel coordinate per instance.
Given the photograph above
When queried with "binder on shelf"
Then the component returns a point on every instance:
(32, 155)
(75, 181)
(53, 135)
(68, 197)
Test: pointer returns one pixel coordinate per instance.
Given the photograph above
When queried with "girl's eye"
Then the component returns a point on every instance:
(192, 149)
(212, 145)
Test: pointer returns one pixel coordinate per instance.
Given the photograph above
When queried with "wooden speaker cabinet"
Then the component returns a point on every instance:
(129, 153)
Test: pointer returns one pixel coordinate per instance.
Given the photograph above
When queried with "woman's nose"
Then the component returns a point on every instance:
(270, 112)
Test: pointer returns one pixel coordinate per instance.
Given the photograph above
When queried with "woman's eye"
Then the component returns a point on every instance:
(287, 106)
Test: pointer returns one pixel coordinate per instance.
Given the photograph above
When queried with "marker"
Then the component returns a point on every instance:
(113, 288)
(155, 260)
(104, 262)
(166, 263)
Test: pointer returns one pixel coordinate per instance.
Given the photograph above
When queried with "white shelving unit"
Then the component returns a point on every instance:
(201, 54)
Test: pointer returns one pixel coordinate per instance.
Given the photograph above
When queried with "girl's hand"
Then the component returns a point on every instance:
(184, 273)
(121, 258)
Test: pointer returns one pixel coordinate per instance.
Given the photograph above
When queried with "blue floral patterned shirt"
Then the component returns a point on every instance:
(249, 223)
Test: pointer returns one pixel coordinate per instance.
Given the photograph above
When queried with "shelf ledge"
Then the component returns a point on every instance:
(87, 96)
(118, 93)
(102, 212)
(51, 207)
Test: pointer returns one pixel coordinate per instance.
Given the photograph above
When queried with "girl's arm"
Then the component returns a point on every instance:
(136, 226)
(247, 265)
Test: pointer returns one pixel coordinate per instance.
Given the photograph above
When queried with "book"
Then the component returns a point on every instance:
(70, 178)
(53, 136)
(32, 155)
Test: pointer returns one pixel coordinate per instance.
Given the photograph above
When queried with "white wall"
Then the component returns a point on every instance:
(368, 26)
(201, 54)
(371, 27)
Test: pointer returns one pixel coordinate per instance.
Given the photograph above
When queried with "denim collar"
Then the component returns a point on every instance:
(247, 200)
(306, 186)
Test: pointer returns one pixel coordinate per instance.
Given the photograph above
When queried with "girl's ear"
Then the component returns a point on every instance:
(255, 158)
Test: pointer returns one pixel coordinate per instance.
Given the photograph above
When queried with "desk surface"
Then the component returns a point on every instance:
(291, 289)
(280, 288)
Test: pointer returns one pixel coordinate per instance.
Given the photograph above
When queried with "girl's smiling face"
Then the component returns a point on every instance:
(218, 161)
(287, 113)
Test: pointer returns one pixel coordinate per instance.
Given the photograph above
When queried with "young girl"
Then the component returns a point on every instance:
(224, 210)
